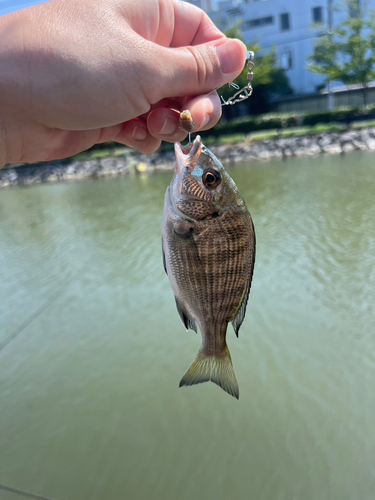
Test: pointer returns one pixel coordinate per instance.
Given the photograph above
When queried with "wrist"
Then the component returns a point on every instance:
(3, 152)
(12, 87)
(3, 145)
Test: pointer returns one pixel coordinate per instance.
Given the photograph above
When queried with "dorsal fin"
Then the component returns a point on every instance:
(186, 320)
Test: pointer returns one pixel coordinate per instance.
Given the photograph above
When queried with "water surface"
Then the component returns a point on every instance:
(92, 348)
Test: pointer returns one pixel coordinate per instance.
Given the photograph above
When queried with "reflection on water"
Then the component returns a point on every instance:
(90, 405)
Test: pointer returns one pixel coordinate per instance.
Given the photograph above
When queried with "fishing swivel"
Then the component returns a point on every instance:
(245, 92)
(186, 120)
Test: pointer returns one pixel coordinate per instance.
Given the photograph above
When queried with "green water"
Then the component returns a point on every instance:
(90, 407)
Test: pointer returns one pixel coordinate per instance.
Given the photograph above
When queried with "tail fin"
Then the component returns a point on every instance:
(218, 369)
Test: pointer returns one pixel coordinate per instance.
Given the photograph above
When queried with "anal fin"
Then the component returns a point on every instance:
(164, 262)
(240, 314)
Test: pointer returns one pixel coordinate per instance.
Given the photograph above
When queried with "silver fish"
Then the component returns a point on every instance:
(208, 241)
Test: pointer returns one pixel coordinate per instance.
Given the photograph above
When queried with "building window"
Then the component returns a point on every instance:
(285, 22)
(317, 15)
(261, 21)
(235, 12)
(286, 60)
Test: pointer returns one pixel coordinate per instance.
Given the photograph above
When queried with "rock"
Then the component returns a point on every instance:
(281, 147)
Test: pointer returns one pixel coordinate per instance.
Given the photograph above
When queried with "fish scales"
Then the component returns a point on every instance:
(209, 251)
(221, 250)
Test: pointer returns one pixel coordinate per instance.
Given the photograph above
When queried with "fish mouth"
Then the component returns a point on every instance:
(188, 155)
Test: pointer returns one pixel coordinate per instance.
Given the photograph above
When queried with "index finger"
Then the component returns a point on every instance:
(192, 26)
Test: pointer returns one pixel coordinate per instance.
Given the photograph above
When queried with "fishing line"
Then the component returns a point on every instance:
(32, 317)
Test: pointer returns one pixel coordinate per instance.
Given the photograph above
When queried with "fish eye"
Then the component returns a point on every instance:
(211, 178)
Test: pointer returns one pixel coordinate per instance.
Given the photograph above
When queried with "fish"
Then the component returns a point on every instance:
(208, 243)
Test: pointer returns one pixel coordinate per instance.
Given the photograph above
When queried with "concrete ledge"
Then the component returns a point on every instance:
(136, 163)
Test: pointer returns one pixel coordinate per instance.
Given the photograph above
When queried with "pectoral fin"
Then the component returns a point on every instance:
(186, 320)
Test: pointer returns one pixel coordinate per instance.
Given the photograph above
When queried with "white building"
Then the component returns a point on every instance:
(283, 24)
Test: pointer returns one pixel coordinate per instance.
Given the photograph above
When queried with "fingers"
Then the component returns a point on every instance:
(194, 70)
(136, 135)
(171, 23)
(206, 111)
(192, 26)
(164, 123)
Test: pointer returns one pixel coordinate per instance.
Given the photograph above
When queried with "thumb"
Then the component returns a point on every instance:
(198, 69)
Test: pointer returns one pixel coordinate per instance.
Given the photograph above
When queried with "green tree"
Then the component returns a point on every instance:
(347, 52)
(268, 79)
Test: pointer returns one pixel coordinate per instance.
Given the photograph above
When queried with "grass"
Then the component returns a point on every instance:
(363, 124)
(231, 139)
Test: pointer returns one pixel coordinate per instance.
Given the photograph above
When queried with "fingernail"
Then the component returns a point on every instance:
(169, 127)
(139, 133)
(231, 56)
(206, 119)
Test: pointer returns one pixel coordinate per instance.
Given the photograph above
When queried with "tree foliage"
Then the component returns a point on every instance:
(269, 79)
(347, 53)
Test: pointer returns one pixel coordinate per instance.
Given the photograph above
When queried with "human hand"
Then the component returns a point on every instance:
(76, 73)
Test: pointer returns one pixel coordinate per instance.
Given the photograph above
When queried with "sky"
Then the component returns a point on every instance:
(7, 6)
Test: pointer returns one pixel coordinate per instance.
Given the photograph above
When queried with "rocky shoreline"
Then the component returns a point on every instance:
(132, 162)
